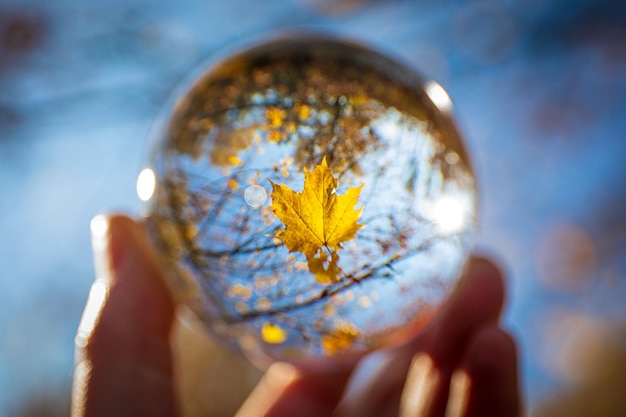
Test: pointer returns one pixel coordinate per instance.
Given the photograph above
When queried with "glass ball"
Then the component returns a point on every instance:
(311, 199)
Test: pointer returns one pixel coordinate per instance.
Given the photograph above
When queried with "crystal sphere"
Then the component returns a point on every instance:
(311, 199)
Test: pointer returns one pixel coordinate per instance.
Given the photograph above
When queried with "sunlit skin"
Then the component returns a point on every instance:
(124, 359)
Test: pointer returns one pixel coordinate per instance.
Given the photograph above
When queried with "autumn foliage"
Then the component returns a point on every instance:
(317, 220)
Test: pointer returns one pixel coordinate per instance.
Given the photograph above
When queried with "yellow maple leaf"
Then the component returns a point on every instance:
(317, 218)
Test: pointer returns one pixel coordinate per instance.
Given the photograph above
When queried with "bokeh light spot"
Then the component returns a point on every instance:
(255, 196)
(146, 184)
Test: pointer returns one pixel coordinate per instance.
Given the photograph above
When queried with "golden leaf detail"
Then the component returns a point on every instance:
(275, 116)
(317, 220)
(273, 334)
(339, 339)
(325, 270)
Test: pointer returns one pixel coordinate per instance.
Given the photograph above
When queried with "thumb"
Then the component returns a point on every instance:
(124, 362)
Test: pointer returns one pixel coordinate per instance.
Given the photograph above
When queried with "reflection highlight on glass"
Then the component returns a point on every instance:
(438, 96)
(146, 183)
(450, 212)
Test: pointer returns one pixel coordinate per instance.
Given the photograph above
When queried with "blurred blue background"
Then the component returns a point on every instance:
(540, 93)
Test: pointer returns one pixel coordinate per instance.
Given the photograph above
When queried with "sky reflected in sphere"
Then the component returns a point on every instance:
(312, 198)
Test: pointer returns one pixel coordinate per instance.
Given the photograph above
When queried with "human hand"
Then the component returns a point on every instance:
(462, 361)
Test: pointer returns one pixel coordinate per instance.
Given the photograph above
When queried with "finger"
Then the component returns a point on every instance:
(478, 299)
(487, 382)
(124, 363)
(285, 391)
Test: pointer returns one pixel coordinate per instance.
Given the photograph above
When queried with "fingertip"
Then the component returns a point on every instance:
(480, 263)
(123, 224)
(480, 294)
(106, 231)
(478, 300)
(111, 236)
(487, 276)
(138, 294)
(490, 362)
(124, 234)
(491, 348)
